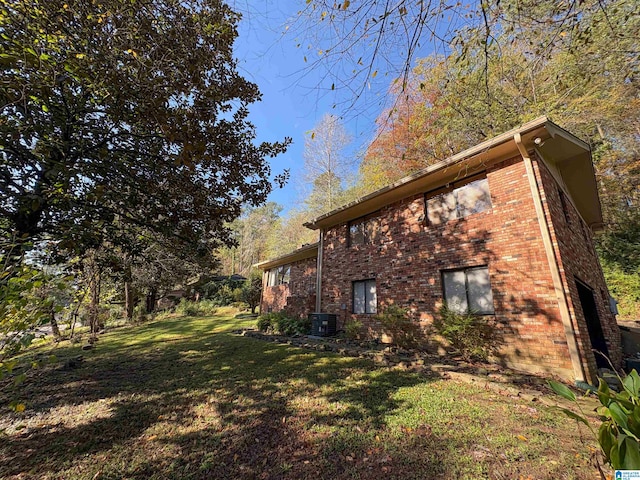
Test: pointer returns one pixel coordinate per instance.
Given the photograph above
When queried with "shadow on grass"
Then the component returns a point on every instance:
(182, 402)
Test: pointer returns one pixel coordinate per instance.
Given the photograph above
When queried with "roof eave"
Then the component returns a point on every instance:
(571, 158)
(495, 149)
(308, 251)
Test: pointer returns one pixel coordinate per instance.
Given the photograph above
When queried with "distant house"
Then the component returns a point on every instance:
(503, 229)
(289, 282)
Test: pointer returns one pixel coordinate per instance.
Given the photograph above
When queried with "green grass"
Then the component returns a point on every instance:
(183, 398)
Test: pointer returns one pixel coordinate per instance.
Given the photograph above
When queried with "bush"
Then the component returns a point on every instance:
(222, 292)
(264, 322)
(280, 323)
(620, 413)
(352, 329)
(190, 308)
(251, 292)
(140, 314)
(396, 323)
(466, 332)
(625, 288)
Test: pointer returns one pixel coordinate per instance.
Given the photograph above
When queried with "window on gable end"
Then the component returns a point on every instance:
(365, 230)
(465, 198)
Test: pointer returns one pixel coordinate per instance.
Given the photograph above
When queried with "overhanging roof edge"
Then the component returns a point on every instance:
(487, 145)
(308, 251)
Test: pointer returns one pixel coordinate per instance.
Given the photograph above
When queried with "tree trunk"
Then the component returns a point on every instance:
(54, 324)
(93, 272)
(129, 300)
(94, 298)
(151, 300)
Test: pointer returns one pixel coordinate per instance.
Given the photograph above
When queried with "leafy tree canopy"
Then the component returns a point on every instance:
(118, 115)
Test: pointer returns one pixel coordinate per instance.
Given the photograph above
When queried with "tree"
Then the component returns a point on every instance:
(250, 233)
(450, 104)
(122, 115)
(326, 166)
(354, 42)
(288, 235)
(251, 291)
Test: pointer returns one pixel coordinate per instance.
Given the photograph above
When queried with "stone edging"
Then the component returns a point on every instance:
(491, 377)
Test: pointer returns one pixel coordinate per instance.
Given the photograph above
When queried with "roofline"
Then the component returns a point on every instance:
(484, 147)
(555, 129)
(307, 251)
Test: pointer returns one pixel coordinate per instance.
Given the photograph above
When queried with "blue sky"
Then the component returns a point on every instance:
(291, 104)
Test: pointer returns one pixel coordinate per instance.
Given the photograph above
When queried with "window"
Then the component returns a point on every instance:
(364, 230)
(468, 290)
(462, 200)
(272, 276)
(364, 297)
(279, 276)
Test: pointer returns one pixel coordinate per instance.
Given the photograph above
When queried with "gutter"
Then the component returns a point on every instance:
(563, 304)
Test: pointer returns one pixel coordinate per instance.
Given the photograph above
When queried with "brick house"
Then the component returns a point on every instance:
(289, 282)
(503, 229)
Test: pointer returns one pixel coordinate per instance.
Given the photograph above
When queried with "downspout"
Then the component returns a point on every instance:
(319, 272)
(265, 279)
(563, 305)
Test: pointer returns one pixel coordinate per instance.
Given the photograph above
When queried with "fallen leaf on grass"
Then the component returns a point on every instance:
(523, 438)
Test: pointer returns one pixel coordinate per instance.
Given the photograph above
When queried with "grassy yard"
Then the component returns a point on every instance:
(184, 398)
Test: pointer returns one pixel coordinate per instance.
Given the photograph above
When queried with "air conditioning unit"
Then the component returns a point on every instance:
(323, 324)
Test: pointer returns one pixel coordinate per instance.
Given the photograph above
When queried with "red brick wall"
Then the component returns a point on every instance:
(409, 256)
(299, 297)
(577, 258)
